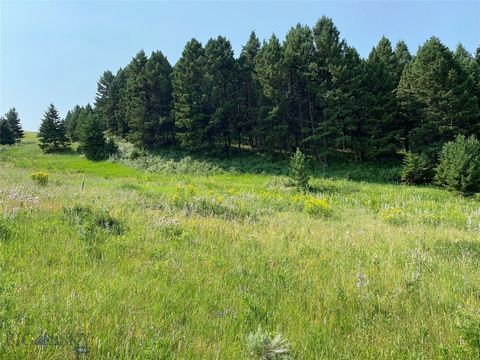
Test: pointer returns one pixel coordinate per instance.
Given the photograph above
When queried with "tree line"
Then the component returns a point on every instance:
(311, 91)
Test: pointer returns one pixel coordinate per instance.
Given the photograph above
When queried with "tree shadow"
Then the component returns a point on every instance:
(250, 162)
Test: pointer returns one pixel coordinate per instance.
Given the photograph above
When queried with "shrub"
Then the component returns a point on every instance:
(90, 221)
(316, 206)
(40, 178)
(298, 173)
(416, 169)
(264, 345)
(459, 166)
(5, 232)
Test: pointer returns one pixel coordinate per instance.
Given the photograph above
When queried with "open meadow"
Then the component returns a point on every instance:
(121, 263)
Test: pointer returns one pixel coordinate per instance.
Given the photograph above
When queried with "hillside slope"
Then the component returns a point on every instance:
(137, 265)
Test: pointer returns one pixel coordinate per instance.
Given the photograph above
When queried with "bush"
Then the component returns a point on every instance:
(298, 173)
(40, 178)
(317, 207)
(91, 221)
(459, 166)
(5, 232)
(416, 169)
(264, 345)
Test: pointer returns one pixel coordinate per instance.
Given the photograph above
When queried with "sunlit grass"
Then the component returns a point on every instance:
(202, 261)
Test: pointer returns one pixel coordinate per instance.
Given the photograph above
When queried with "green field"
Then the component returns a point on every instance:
(185, 265)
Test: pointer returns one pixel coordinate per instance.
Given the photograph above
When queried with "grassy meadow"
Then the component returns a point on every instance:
(116, 262)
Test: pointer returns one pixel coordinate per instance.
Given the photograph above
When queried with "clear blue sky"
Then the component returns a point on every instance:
(55, 51)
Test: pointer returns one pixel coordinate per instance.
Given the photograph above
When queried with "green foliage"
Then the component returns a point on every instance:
(92, 139)
(266, 346)
(459, 165)
(13, 121)
(311, 90)
(298, 172)
(416, 169)
(74, 120)
(437, 99)
(317, 207)
(393, 216)
(90, 221)
(52, 133)
(7, 136)
(5, 231)
(302, 273)
(189, 105)
(40, 178)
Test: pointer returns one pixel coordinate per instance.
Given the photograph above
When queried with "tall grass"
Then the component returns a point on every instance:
(130, 264)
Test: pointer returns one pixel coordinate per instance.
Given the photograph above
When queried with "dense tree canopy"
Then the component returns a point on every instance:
(311, 91)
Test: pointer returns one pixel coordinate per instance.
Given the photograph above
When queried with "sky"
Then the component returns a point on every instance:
(55, 51)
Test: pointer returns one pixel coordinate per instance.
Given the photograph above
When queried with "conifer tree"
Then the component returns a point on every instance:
(298, 173)
(13, 121)
(136, 98)
(438, 97)
(298, 60)
(189, 107)
(271, 76)
(159, 127)
(402, 58)
(326, 132)
(91, 137)
(7, 136)
(220, 92)
(249, 93)
(104, 101)
(381, 130)
(52, 133)
(71, 121)
(118, 98)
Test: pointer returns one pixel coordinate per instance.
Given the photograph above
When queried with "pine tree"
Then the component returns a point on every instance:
(402, 58)
(52, 133)
(72, 121)
(136, 99)
(13, 121)
(91, 137)
(159, 127)
(104, 102)
(298, 173)
(271, 76)
(326, 132)
(381, 130)
(438, 97)
(189, 107)
(298, 60)
(220, 91)
(7, 136)
(247, 124)
(459, 165)
(345, 105)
